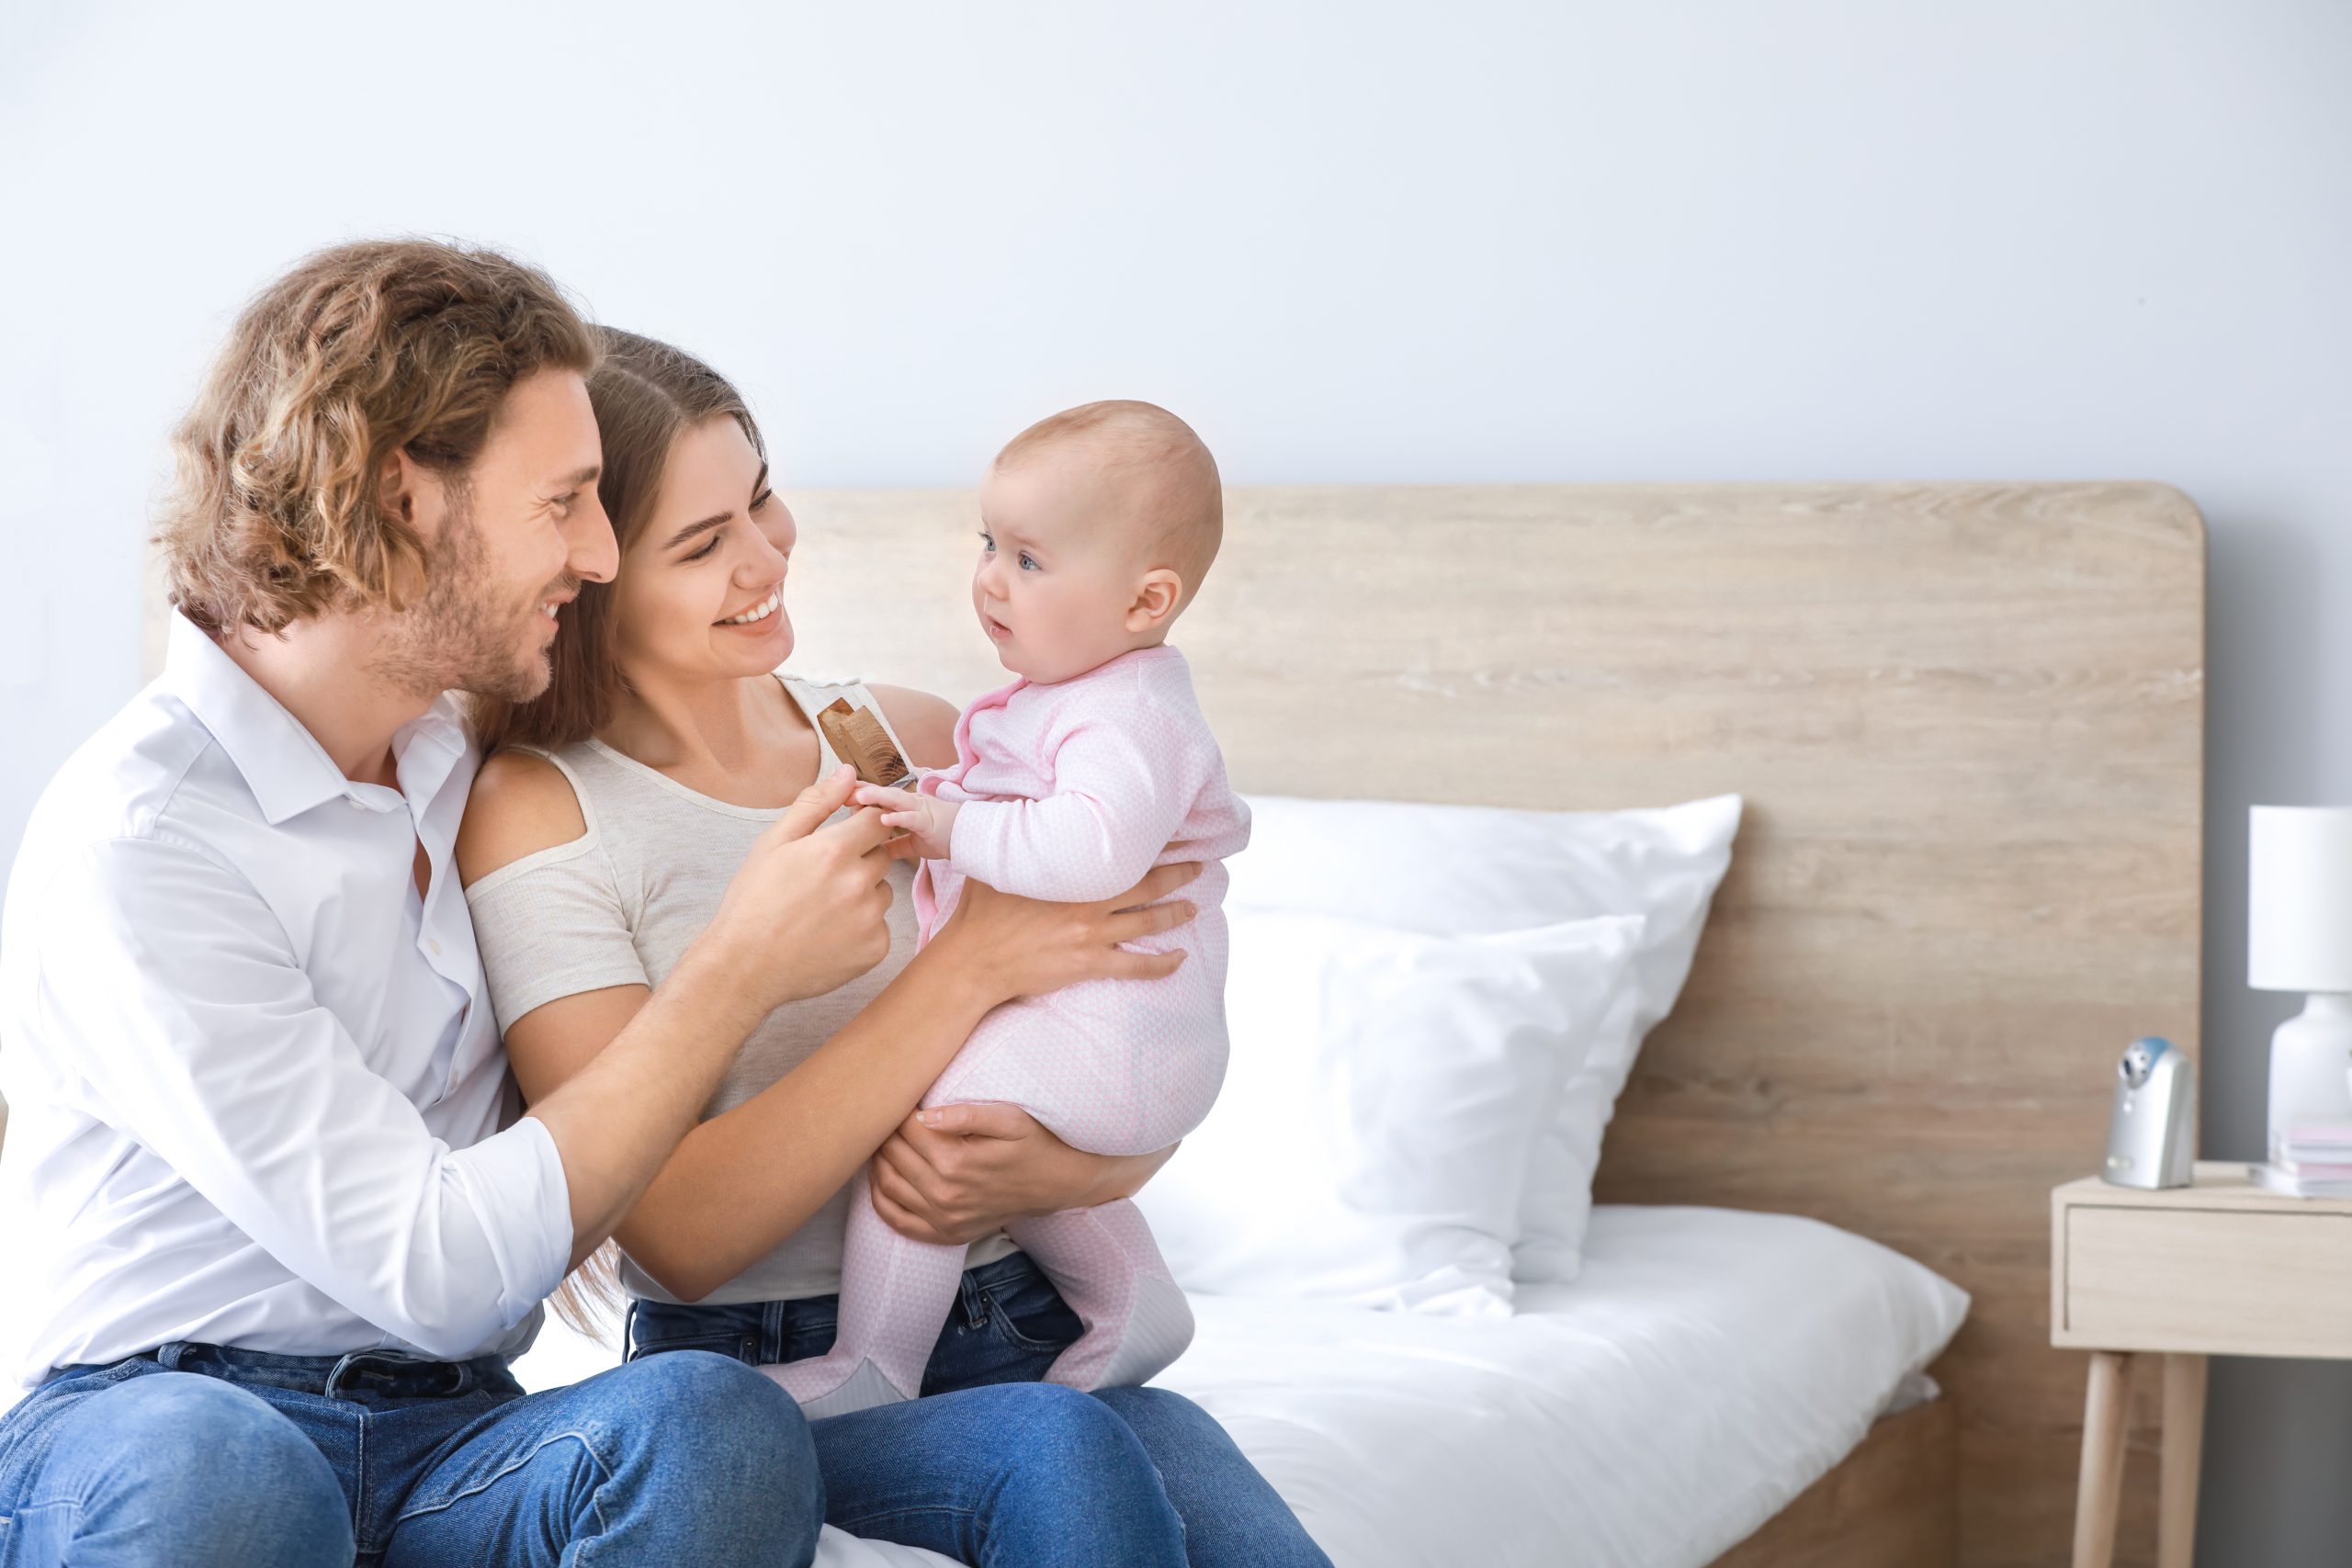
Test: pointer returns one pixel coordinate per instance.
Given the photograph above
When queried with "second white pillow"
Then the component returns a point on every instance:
(1386, 1095)
(1455, 869)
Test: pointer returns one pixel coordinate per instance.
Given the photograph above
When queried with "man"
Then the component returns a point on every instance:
(273, 1226)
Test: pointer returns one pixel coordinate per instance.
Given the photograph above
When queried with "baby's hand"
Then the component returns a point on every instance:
(926, 820)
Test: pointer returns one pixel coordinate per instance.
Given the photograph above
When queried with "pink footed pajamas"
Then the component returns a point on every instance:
(1069, 792)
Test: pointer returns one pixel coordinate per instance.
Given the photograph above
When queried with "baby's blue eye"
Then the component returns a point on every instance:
(1028, 561)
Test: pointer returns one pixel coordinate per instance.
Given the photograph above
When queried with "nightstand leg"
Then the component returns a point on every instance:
(2184, 1447)
(2105, 1413)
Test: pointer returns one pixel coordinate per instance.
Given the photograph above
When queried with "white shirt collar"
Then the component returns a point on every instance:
(281, 761)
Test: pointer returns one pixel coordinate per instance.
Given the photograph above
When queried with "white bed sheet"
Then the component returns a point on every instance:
(1708, 1367)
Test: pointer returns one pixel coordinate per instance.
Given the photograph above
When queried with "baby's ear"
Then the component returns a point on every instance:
(1157, 595)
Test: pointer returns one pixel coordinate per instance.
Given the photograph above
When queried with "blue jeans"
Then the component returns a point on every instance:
(991, 1466)
(202, 1457)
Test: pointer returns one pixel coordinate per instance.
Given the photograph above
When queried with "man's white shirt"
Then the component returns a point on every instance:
(255, 1089)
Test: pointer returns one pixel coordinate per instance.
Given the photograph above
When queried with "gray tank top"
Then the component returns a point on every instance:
(617, 906)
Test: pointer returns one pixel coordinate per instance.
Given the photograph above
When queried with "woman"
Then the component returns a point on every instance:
(599, 837)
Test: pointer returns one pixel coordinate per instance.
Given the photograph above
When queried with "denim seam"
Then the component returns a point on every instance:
(40, 1503)
(359, 1481)
(581, 1550)
(856, 1525)
(587, 1446)
(770, 1336)
(8, 1521)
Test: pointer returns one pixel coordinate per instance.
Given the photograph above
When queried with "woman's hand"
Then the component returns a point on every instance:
(1019, 947)
(954, 1175)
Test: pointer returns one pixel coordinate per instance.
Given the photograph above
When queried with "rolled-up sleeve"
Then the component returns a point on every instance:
(192, 1021)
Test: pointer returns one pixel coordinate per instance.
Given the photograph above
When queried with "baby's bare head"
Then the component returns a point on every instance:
(1139, 470)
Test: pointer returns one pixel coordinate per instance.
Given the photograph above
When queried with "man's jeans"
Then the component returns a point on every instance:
(201, 1457)
(997, 1469)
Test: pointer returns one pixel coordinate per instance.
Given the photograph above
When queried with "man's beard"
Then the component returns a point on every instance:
(459, 635)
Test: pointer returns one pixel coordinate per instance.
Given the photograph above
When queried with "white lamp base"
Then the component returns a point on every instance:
(2311, 1067)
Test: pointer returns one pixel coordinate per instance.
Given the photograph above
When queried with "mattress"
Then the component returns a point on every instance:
(1708, 1367)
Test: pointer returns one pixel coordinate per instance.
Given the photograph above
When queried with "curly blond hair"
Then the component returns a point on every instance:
(361, 351)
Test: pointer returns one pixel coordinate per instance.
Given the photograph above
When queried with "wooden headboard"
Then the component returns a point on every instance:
(1968, 720)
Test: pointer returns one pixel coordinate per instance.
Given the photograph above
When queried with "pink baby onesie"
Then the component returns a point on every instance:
(1069, 792)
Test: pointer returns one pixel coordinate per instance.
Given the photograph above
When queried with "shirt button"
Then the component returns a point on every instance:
(354, 802)
(434, 942)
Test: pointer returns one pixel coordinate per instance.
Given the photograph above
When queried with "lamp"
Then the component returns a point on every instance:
(2298, 938)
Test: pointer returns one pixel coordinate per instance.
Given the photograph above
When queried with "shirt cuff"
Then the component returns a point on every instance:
(518, 1188)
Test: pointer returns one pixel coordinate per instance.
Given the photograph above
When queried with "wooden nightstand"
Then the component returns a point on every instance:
(2222, 1268)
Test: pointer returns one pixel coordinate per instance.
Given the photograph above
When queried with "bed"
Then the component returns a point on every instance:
(1707, 1368)
(1968, 723)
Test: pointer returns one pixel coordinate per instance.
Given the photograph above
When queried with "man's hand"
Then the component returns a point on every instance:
(809, 908)
(927, 822)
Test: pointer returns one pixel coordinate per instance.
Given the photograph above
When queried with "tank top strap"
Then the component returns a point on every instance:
(571, 767)
(814, 696)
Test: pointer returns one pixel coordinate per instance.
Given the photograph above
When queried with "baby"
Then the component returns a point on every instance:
(1097, 527)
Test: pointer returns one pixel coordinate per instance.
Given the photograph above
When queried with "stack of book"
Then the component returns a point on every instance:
(2312, 1161)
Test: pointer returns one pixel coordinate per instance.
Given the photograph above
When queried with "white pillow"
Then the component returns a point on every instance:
(1386, 1094)
(1459, 869)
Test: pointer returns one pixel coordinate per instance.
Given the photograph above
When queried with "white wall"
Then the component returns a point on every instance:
(1357, 242)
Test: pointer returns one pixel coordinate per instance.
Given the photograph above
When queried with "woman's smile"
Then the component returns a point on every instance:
(761, 618)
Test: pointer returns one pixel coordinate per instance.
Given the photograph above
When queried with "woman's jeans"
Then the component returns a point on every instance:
(201, 1457)
(999, 1469)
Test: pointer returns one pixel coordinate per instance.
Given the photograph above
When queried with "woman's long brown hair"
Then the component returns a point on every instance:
(646, 394)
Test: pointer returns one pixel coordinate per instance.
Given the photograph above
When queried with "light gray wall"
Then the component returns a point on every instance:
(1495, 241)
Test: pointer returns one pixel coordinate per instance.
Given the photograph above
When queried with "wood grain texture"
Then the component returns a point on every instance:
(2099, 1482)
(2210, 1284)
(2184, 1403)
(1892, 1501)
(2220, 1268)
(1968, 720)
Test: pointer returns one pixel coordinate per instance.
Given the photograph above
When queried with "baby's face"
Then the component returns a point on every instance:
(1058, 571)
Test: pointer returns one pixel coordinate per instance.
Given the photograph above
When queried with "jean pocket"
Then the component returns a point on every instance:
(1031, 1315)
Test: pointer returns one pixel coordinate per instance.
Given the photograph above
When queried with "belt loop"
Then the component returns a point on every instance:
(976, 1301)
(628, 1331)
(770, 1347)
(168, 1356)
(334, 1378)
